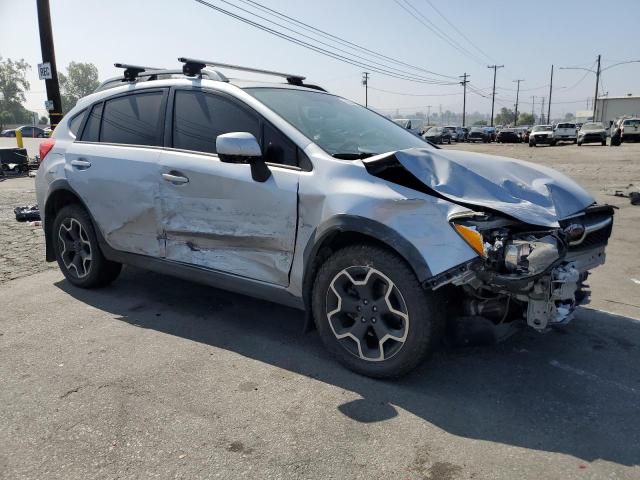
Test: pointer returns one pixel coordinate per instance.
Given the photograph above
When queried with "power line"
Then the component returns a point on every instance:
(337, 39)
(373, 63)
(457, 30)
(415, 94)
(433, 28)
(317, 49)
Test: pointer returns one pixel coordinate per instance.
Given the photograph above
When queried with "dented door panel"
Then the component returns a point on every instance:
(120, 189)
(223, 220)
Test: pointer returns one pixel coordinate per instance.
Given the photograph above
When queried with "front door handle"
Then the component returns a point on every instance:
(176, 179)
(80, 164)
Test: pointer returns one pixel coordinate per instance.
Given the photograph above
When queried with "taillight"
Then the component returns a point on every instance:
(45, 147)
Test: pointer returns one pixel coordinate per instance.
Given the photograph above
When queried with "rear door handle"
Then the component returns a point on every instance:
(80, 164)
(176, 179)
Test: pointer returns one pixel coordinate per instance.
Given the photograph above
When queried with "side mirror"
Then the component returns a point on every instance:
(242, 147)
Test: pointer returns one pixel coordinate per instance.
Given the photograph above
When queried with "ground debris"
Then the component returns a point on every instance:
(26, 213)
(629, 192)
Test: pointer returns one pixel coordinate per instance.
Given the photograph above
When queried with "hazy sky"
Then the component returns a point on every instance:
(527, 37)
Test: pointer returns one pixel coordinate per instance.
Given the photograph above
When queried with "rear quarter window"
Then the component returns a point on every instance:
(76, 122)
(135, 119)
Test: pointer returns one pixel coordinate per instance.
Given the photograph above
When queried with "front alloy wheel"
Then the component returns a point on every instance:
(366, 313)
(372, 313)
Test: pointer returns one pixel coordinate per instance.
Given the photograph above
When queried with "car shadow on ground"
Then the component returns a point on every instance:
(575, 391)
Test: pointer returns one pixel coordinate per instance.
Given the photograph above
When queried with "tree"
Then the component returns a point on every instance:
(525, 118)
(569, 117)
(13, 84)
(505, 117)
(480, 123)
(80, 80)
(43, 120)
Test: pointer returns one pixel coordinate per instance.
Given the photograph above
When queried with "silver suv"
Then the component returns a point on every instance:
(287, 193)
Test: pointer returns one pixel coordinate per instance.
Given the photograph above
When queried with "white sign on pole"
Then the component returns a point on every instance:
(44, 71)
(48, 104)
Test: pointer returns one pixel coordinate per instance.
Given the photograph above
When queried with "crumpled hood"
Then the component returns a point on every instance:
(531, 193)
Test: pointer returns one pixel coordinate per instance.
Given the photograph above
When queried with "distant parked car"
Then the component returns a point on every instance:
(541, 134)
(593, 132)
(47, 132)
(508, 135)
(453, 132)
(525, 135)
(414, 125)
(565, 132)
(630, 129)
(438, 135)
(492, 133)
(478, 134)
(28, 131)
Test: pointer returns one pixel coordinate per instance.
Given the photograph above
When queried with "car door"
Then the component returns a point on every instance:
(214, 215)
(114, 168)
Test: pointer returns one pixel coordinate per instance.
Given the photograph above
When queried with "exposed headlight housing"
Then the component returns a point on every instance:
(472, 236)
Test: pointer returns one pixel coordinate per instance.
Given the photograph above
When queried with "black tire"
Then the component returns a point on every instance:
(604, 143)
(579, 144)
(532, 144)
(421, 329)
(98, 271)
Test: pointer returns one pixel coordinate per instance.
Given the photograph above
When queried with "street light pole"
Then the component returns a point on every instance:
(550, 91)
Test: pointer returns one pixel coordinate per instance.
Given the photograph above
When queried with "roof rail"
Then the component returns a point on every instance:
(131, 72)
(193, 67)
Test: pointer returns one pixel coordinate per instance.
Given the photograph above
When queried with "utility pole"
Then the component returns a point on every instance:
(533, 104)
(428, 113)
(365, 82)
(440, 117)
(493, 97)
(49, 56)
(595, 98)
(550, 90)
(542, 113)
(515, 121)
(464, 96)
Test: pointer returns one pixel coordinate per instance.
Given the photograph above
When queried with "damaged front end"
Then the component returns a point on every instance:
(536, 233)
(528, 272)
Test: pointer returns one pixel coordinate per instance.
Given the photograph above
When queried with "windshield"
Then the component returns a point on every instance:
(593, 126)
(542, 128)
(340, 127)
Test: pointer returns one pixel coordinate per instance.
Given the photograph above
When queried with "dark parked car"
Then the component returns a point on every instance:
(491, 131)
(438, 135)
(508, 135)
(592, 132)
(477, 134)
(27, 132)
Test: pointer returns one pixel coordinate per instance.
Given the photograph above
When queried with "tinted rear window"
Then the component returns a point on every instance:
(75, 122)
(632, 123)
(566, 125)
(91, 130)
(133, 119)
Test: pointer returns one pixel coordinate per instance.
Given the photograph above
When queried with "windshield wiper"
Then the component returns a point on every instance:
(353, 156)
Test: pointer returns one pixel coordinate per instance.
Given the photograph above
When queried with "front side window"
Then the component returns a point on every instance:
(340, 127)
(133, 119)
(198, 119)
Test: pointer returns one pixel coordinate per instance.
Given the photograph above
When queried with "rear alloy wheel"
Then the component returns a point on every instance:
(77, 250)
(372, 313)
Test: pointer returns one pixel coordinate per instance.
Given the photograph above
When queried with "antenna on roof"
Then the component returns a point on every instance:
(131, 72)
(193, 67)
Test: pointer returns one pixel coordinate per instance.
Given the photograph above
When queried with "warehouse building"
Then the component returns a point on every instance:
(611, 108)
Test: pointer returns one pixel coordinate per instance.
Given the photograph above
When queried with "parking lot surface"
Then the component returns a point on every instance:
(155, 377)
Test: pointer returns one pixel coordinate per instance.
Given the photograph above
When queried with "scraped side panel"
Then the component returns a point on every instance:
(225, 221)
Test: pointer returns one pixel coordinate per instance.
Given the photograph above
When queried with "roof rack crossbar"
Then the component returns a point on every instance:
(131, 72)
(196, 66)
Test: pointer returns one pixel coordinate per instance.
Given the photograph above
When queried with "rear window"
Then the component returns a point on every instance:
(75, 122)
(635, 122)
(133, 119)
(566, 125)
